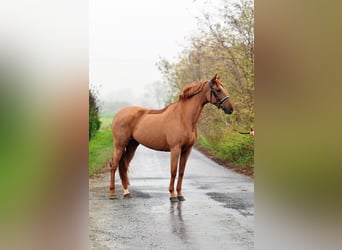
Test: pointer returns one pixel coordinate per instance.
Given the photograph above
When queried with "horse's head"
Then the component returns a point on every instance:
(218, 95)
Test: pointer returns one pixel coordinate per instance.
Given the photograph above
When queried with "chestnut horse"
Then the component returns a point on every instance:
(171, 129)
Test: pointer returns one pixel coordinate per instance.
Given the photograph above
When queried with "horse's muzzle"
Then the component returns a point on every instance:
(228, 110)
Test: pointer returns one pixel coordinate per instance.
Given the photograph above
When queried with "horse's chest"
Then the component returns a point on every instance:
(188, 138)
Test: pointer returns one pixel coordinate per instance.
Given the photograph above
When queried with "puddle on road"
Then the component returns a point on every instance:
(138, 194)
(204, 187)
(232, 202)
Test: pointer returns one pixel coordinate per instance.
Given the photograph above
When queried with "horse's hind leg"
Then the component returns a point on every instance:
(113, 166)
(126, 158)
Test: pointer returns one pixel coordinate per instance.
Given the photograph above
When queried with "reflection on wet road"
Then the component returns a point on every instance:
(176, 221)
(218, 212)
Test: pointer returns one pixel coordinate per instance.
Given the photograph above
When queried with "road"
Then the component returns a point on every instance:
(218, 212)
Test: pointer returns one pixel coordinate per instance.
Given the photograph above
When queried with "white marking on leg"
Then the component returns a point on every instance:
(126, 191)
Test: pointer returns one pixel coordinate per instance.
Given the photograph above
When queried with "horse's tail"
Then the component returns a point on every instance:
(125, 160)
(123, 169)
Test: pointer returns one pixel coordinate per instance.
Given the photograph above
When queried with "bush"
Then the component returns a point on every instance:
(231, 148)
(94, 120)
(237, 148)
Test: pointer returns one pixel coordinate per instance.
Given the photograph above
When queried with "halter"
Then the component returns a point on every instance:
(219, 102)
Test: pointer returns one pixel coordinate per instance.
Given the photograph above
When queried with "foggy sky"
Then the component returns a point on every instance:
(126, 40)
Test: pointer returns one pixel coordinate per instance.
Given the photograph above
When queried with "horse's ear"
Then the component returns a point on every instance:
(214, 79)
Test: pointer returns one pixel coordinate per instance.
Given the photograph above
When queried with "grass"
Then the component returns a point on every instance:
(101, 146)
(232, 149)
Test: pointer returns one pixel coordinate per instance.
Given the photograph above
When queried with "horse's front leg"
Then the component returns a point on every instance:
(183, 159)
(175, 152)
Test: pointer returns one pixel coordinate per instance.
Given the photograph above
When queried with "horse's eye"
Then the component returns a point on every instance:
(219, 91)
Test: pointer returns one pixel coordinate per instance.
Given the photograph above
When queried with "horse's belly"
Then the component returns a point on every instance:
(150, 138)
(157, 147)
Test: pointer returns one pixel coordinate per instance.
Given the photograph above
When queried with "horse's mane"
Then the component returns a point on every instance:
(188, 91)
(192, 89)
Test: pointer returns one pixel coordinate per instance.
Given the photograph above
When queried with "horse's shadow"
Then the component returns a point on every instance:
(178, 226)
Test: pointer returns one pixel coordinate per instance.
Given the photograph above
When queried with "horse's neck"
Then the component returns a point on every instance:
(192, 109)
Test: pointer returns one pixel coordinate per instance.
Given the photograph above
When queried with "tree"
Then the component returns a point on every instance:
(231, 38)
(94, 120)
(224, 45)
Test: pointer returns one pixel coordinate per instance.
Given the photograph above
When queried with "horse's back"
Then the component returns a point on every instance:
(128, 115)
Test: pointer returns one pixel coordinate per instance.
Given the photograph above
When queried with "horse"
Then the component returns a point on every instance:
(172, 129)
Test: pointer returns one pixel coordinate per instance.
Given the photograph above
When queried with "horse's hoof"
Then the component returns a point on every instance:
(113, 197)
(127, 195)
(173, 199)
(181, 198)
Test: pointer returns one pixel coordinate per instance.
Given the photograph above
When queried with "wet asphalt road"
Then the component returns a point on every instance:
(218, 212)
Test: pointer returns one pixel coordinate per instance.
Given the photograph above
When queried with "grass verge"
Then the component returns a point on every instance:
(234, 151)
(100, 147)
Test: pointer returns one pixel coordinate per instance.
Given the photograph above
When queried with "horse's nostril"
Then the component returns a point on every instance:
(228, 110)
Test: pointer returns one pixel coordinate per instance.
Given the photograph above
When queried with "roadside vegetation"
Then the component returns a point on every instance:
(234, 151)
(94, 110)
(100, 135)
(101, 146)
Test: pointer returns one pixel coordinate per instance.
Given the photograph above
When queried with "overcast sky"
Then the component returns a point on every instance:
(127, 38)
